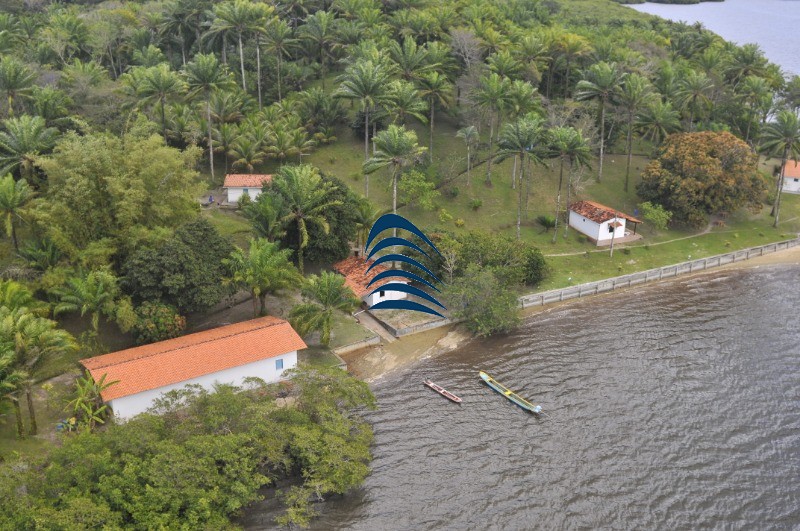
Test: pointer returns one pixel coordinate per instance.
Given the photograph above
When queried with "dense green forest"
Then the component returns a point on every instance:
(119, 118)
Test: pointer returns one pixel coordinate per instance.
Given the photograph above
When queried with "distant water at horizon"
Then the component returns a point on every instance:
(772, 24)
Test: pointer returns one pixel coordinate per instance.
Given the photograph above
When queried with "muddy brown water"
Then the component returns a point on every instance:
(673, 406)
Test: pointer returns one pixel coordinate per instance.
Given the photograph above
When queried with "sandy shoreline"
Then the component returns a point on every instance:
(371, 364)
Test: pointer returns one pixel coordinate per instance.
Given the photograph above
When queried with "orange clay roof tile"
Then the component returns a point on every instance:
(183, 358)
(792, 170)
(355, 277)
(246, 180)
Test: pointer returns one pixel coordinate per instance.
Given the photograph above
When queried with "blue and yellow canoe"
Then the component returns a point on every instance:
(508, 393)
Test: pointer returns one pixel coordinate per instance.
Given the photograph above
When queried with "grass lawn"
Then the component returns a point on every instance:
(347, 331)
(318, 357)
(230, 225)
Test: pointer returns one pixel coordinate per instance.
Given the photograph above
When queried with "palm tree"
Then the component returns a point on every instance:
(747, 60)
(247, 152)
(694, 94)
(308, 199)
(32, 339)
(263, 269)
(204, 75)
(14, 295)
(781, 136)
(397, 148)
(634, 94)
(280, 42)
(235, 16)
(94, 293)
(438, 90)
(657, 121)
(13, 197)
(754, 91)
(492, 98)
(319, 32)
(11, 384)
(23, 140)
(266, 215)
(15, 80)
(521, 139)
(602, 84)
(328, 294)
(364, 81)
(158, 85)
(471, 138)
(570, 48)
(411, 59)
(568, 145)
(365, 215)
(402, 100)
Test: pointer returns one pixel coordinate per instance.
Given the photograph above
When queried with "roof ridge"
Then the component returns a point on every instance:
(143, 356)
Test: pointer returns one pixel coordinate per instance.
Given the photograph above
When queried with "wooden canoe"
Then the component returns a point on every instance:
(508, 393)
(442, 391)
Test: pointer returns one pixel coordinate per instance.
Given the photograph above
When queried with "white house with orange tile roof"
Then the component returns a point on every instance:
(238, 184)
(791, 177)
(599, 222)
(354, 270)
(265, 348)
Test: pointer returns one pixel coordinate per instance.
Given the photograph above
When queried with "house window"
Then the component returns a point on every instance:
(382, 294)
(610, 228)
(796, 180)
(278, 364)
(246, 191)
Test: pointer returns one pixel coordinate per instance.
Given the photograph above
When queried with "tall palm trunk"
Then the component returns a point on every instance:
(776, 206)
(258, 69)
(519, 200)
(630, 148)
(430, 142)
(241, 62)
(569, 197)
(491, 146)
(558, 198)
(225, 49)
(366, 149)
(210, 136)
(163, 118)
(280, 99)
(31, 412)
(469, 157)
(602, 136)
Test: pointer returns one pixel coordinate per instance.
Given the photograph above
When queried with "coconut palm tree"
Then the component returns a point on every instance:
(204, 75)
(11, 385)
(635, 93)
(694, 94)
(280, 43)
(13, 197)
(319, 32)
(781, 136)
(246, 151)
(365, 215)
(657, 121)
(402, 101)
(326, 294)
(397, 148)
(234, 16)
(571, 47)
(521, 139)
(94, 293)
(492, 98)
(438, 90)
(266, 214)
(24, 139)
(308, 199)
(568, 145)
(471, 138)
(754, 92)
(16, 80)
(365, 82)
(601, 83)
(412, 60)
(159, 85)
(32, 339)
(264, 270)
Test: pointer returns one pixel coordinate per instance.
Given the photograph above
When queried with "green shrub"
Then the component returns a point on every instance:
(459, 222)
(157, 322)
(444, 215)
(475, 203)
(452, 192)
(547, 222)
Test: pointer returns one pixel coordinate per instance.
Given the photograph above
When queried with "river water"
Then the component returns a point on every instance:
(773, 24)
(672, 406)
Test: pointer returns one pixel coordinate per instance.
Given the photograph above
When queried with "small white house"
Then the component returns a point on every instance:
(265, 348)
(791, 177)
(238, 184)
(354, 270)
(599, 222)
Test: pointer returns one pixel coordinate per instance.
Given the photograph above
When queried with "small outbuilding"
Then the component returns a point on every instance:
(791, 177)
(601, 223)
(265, 348)
(354, 270)
(238, 184)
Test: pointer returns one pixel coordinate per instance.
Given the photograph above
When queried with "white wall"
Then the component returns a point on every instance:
(127, 406)
(619, 232)
(791, 185)
(387, 295)
(235, 192)
(584, 225)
